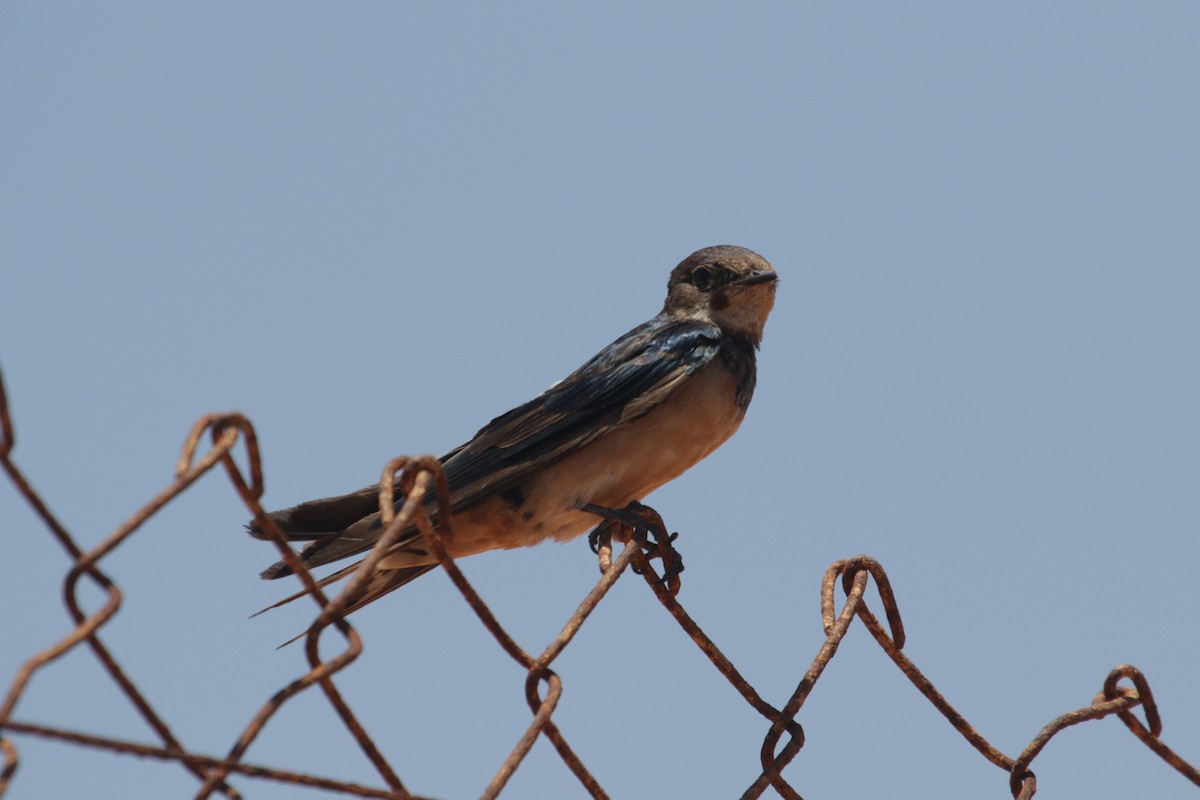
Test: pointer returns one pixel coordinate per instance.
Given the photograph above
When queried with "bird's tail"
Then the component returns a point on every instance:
(378, 584)
(321, 523)
(337, 528)
(323, 582)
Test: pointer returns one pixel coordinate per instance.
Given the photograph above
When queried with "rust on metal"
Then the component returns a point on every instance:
(406, 503)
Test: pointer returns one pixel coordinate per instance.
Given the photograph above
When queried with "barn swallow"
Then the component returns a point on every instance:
(638, 414)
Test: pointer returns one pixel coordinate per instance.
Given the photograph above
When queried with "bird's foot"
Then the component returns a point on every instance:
(646, 527)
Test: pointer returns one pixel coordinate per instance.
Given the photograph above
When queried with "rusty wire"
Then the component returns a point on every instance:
(644, 537)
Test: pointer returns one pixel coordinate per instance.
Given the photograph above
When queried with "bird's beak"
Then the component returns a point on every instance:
(755, 277)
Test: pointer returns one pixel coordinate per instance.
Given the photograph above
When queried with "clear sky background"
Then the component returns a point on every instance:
(372, 227)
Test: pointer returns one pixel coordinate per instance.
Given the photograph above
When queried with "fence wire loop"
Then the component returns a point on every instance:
(414, 494)
(849, 568)
(1142, 687)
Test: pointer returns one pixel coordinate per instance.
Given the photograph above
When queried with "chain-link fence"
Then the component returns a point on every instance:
(643, 537)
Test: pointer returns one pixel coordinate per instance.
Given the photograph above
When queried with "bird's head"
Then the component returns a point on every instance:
(729, 286)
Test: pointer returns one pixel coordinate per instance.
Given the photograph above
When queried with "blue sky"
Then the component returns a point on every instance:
(372, 227)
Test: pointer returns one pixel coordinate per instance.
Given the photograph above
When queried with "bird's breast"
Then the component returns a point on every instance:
(635, 459)
(623, 465)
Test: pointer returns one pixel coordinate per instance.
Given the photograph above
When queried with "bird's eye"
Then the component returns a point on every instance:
(704, 278)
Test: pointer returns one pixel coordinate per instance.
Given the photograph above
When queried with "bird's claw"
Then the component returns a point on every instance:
(647, 528)
(602, 533)
(672, 560)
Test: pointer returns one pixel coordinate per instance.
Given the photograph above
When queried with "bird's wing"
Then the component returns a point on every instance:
(621, 383)
(316, 519)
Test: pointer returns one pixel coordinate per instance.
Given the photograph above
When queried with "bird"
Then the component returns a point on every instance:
(638, 414)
